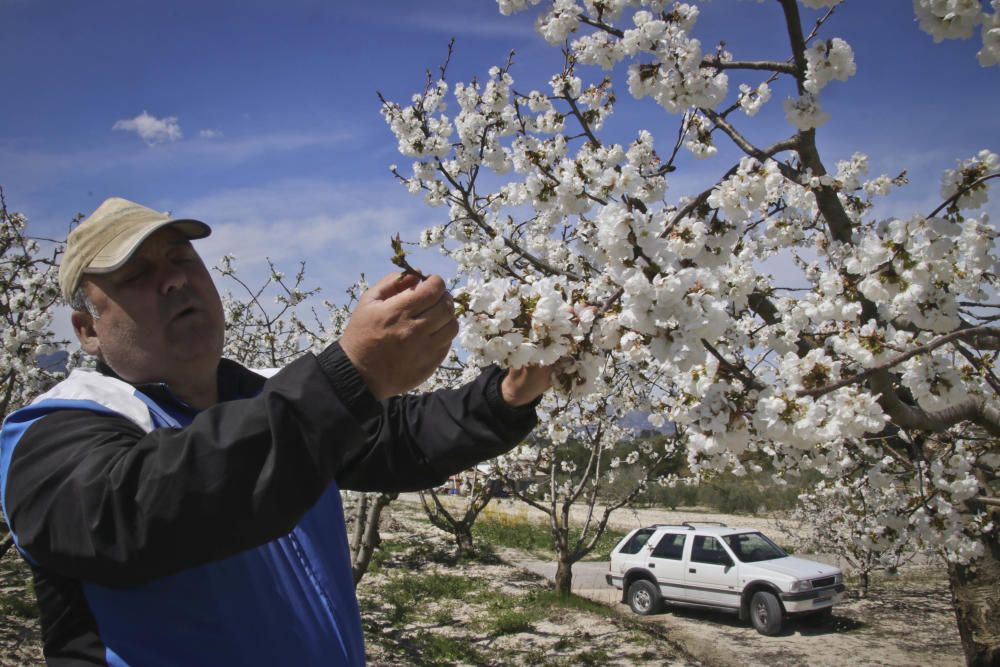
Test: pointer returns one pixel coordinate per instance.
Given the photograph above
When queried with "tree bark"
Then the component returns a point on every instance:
(864, 581)
(459, 529)
(366, 532)
(975, 595)
(463, 540)
(564, 577)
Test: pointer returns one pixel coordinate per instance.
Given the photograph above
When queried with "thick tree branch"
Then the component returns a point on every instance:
(961, 334)
(974, 410)
(793, 24)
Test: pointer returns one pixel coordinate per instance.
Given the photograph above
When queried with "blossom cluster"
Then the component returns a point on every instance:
(30, 293)
(958, 19)
(578, 255)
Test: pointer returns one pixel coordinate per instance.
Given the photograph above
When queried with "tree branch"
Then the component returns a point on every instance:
(906, 416)
(761, 155)
(961, 191)
(961, 334)
(766, 65)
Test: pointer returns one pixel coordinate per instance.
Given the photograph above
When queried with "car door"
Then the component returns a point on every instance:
(631, 554)
(666, 562)
(711, 577)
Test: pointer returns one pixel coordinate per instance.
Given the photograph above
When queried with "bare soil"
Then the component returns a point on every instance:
(906, 620)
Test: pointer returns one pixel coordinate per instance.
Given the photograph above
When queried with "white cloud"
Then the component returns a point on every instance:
(339, 230)
(38, 166)
(151, 129)
(210, 134)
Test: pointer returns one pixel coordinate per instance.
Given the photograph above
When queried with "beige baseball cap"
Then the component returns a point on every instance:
(105, 241)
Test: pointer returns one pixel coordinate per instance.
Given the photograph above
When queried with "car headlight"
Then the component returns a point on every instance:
(804, 585)
(838, 578)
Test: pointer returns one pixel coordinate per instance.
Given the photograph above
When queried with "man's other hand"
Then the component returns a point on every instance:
(523, 385)
(400, 332)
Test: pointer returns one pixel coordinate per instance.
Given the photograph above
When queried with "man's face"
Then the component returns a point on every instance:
(159, 316)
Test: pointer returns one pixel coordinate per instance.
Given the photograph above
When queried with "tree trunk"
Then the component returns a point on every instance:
(564, 577)
(369, 538)
(863, 583)
(975, 595)
(463, 539)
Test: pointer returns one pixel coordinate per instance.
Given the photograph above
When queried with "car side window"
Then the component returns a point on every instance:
(636, 542)
(707, 549)
(671, 546)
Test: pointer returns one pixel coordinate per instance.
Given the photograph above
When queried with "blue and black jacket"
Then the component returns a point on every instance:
(162, 535)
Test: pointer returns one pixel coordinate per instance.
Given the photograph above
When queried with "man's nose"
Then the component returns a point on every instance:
(173, 277)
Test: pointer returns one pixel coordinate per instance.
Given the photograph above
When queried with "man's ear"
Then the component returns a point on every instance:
(83, 325)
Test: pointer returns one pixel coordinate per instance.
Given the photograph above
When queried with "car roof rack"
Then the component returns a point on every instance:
(691, 524)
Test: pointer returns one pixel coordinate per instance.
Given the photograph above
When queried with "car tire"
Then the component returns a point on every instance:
(644, 597)
(765, 613)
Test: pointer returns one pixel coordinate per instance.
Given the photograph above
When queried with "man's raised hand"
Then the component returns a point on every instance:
(400, 332)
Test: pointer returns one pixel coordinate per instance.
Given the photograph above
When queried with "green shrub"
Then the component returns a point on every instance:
(511, 622)
(438, 649)
(405, 592)
(731, 494)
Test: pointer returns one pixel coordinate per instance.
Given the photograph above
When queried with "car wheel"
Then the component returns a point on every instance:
(644, 597)
(765, 613)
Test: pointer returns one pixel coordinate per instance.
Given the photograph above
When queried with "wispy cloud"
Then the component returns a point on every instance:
(491, 26)
(32, 165)
(151, 129)
(234, 150)
(210, 134)
(339, 230)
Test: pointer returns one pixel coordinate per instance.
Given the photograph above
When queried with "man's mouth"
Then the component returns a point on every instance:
(190, 310)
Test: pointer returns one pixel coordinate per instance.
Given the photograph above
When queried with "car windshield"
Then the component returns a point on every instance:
(753, 547)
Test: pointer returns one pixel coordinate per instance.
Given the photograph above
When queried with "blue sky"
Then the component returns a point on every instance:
(277, 141)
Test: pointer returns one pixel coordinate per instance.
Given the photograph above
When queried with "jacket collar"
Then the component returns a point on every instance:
(234, 382)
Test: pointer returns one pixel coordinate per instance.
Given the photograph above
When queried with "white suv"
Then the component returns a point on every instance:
(734, 569)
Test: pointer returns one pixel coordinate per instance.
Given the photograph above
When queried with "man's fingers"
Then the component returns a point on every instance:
(391, 285)
(437, 315)
(439, 341)
(420, 297)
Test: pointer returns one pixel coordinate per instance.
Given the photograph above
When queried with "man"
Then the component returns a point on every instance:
(178, 509)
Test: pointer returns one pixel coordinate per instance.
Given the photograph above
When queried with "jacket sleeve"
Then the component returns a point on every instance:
(92, 496)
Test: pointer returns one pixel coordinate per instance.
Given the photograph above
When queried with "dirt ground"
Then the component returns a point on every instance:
(907, 620)
(19, 638)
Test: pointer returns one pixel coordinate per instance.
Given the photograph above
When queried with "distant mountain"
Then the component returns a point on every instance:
(640, 422)
(54, 363)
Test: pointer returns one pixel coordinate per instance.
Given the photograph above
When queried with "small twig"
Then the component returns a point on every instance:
(748, 381)
(399, 259)
(767, 65)
(444, 66)
(952, 199)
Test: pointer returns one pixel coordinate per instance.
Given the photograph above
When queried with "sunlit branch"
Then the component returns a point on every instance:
(961, 334)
